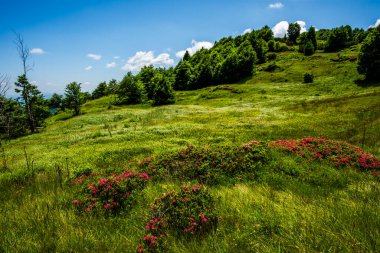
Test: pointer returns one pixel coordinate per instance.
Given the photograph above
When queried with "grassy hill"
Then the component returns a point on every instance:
(288, 204)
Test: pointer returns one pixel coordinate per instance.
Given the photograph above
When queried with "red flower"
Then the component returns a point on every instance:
(75, 202)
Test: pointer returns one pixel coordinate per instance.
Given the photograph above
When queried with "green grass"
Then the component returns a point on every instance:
(292, 205)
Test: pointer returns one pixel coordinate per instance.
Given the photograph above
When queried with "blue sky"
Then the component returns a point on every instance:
(90, 41)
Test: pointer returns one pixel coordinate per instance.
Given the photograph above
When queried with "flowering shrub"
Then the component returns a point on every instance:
(339, 153)
(111, 194)
(189, 212)
(208, 165)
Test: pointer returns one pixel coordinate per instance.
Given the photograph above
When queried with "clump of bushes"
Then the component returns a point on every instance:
(272, 67)
(189, 212)
(338, 153)
(209, 165)
(108, 194)
(308, 78)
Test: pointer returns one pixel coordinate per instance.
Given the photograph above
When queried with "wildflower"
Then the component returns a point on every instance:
(75, 202)
(103, 181)
(204, 219)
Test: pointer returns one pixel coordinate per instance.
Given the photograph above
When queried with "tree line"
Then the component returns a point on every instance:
(229, 60)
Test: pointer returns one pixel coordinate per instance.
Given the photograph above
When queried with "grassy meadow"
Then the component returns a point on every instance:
(290, 205)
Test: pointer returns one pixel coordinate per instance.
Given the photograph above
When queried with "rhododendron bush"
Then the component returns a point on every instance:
(189, 212)
(338, 153)
(108, 194)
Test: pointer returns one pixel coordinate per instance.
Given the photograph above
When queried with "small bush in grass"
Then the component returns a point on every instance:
(189, 212)
(110, 194)
(209, 165)
(339, 153)
(271, 56)
(308, 78)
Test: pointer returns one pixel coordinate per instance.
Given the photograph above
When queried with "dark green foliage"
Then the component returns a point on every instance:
(312, 37)
(272, 67)
(187, 56)
(163, 91)
(308, 78)
(183, 76)
(271, 46)
(294, 31)
(130, 90)
(100, 91)
(309, 48)
(112, 86)
(271, 56)
(146, 76)
(265, 33)
(12, 118)
(339, 38)
(369, 56)
(34, 104)
(55, 101)
(73, 98)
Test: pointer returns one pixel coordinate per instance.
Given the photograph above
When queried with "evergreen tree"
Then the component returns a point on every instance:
(183, 76)
(163, 92)
(73, 97)
(294, 31)
(146, 76)
(309, 48)
(131, 90)
(100, 91)
(369, 55)
(187, 56)
(312, 37)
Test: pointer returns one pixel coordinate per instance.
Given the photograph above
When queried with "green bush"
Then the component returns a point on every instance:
(308, 78)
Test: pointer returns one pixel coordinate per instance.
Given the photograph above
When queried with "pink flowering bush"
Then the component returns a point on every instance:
(110, 194)
(339, 153)
(208, 165)
(189, 212)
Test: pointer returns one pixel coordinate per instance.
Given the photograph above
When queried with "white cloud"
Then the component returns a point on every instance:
(195, 46)
(248, 30)
(95, 57)
(302, 25)
(111, 65)
(141, 59)
(116, 57)
(37, 51)
(88, 68)
(86, 83)
(276, 5)
(376, 24)
(281, 28)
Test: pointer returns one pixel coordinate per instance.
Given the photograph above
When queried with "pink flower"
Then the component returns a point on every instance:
(75, 202)
(103, 181)
(88, 209)
(106, 206)
(204, 219)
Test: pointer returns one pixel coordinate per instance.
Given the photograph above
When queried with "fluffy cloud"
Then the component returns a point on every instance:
(37, 51)
(248, 30)
(276, 6)
(88, 68)
(302, 25)
(95, 57)
(376, 24)
(111, 65)
(141, 59)
(195, 46)
(281, 28)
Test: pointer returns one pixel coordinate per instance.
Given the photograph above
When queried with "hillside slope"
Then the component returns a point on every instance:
(285, 204)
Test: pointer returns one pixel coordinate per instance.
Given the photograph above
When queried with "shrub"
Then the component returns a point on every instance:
(272, 67)
(271, 56)
(109, 194)
(339, 153)
(209, 165)
(308, 78)
(309, 48)
(189, 212)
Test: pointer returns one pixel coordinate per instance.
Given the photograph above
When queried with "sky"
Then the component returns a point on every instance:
(90, 41)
